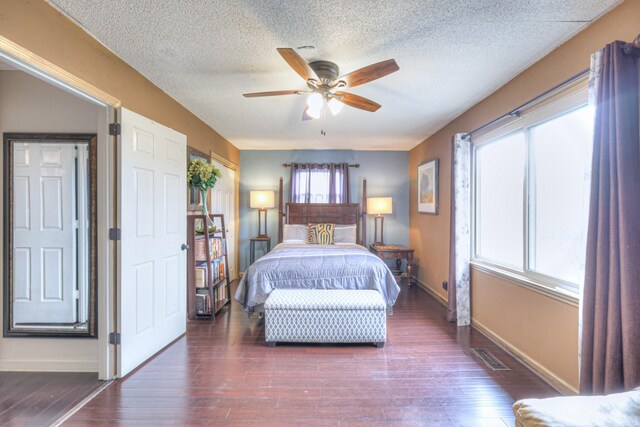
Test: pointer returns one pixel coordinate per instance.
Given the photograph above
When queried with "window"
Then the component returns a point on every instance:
(531, 195)
(500, 173)
(319, 183)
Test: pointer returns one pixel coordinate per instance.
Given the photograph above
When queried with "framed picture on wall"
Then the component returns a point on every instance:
(428, 187)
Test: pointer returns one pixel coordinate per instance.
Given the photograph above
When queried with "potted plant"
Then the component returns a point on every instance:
(202, 176)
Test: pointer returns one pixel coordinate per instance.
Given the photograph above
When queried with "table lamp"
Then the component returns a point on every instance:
(262, 200)
(379, 206)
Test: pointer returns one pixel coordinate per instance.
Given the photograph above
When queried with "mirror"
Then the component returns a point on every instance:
(49, 235)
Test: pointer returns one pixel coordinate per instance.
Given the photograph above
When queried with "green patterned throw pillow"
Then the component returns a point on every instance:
(320, 234)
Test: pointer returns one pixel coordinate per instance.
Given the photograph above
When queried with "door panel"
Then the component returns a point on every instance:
(152, 284)
(44, 241)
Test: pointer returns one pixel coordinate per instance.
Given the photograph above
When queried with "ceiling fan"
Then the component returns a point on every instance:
(323, 80)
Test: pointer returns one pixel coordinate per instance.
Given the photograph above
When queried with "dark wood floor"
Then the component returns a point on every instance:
(41, 398)
(222, 374)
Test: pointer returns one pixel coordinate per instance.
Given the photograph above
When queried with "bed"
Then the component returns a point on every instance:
(293, 264)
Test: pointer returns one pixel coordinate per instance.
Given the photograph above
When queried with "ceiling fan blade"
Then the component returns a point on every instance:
(357, 101)
(370, 73)
(273, 93)
(297, 62)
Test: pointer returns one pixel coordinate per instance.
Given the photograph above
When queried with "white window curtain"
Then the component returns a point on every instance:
(459, 301)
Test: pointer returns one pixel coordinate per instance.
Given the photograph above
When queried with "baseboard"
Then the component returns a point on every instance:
(25, 365)
(544, 374)
(431, 292)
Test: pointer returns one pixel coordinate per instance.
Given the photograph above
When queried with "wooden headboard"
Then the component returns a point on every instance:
(334, 213)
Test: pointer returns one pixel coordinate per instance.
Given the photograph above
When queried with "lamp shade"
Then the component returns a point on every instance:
(379, 205)
(262, 199)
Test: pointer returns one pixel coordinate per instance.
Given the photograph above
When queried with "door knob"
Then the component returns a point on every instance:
(184, 247)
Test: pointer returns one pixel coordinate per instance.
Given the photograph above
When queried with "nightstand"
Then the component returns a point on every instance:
(397, 252)
(252, 247)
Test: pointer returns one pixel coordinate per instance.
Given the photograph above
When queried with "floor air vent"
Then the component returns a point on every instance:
(488, 358)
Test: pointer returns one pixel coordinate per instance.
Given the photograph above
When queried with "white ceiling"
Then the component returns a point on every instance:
(451, 53)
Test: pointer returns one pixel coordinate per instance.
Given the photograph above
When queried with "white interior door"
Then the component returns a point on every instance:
(44, 233)
(223, 197)
(152, 213)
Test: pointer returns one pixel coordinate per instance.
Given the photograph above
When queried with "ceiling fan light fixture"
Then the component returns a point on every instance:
(335, 106)
(314, 113)
(315, 101)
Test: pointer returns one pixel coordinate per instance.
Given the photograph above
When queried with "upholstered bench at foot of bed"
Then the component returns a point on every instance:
(325, 316)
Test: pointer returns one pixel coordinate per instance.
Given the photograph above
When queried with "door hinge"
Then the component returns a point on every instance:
(114, 338)
(114, 129)
(114, 234)
(76, 294)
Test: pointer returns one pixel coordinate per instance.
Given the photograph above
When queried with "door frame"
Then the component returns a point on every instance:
(106, 201)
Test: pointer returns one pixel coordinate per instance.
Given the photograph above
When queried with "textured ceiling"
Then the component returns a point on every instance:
(451, 53)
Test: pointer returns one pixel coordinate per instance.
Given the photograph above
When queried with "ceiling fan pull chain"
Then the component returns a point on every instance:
(323, 121)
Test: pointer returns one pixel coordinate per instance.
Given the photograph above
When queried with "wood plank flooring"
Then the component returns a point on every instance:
(41, 398)
(221, 373)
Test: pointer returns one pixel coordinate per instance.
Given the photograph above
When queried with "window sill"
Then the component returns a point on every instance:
(559, 294)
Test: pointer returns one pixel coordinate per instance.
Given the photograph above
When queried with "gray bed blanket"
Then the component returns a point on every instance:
(303, 266)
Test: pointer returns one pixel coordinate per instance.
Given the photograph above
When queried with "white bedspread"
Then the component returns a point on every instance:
(304, 266)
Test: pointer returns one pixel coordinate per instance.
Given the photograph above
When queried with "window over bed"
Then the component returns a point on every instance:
(320, 183)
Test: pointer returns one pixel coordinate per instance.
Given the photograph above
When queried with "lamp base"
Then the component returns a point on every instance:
(377, 242)
(260, 233)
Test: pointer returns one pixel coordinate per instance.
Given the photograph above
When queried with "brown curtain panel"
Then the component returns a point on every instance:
(339, 183)
(610, 359)
(300, 182)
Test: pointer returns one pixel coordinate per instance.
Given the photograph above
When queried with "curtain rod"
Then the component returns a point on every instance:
(354, 165)
(516, 111)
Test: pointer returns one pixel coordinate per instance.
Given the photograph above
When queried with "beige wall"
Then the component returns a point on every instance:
(523, 319)
(30, 105)
(38, 27)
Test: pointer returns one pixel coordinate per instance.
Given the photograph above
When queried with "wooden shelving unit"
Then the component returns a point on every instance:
(207, 267)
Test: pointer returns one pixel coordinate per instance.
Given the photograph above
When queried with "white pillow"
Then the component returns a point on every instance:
(294, 233)
(345, 234)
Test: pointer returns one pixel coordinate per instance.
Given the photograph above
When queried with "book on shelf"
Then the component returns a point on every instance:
(218, 267)
(203, 304)
(217, 247)
(200, 249)
(201, 275)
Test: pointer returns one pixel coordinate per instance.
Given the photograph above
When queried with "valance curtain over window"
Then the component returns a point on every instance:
(610, 351)
(320, 183)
